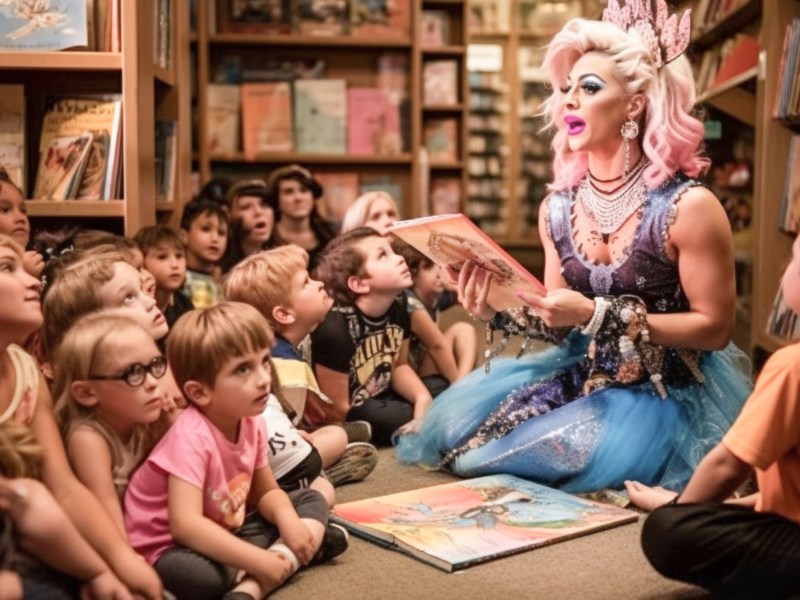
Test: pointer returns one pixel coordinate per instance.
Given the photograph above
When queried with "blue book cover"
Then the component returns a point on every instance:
(31, 25)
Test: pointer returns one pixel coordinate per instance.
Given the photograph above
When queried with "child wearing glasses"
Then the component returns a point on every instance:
(108, 402)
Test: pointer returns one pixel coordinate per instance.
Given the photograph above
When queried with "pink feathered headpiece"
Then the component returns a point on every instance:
(666, 37)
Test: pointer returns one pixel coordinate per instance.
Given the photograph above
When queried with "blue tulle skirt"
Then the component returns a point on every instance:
(591, 442)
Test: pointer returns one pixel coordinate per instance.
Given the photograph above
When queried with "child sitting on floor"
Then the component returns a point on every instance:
(25, 402)
(187, 509)
(277, 283)
(108, 402)
(748, 547)
(204, 233)
(433, 353)
(360, 351)
(164, 257)
(252, 219)
(15, 224)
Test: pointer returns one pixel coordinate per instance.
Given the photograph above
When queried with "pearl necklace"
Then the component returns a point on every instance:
(610, 211)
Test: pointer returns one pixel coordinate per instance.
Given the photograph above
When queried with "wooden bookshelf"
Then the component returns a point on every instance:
(354, 60)
(147, 92)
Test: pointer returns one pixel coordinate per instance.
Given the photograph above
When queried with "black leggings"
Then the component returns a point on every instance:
(730, 550)
(193, 576)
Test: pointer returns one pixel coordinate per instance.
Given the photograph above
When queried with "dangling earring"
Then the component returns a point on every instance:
(629, 131)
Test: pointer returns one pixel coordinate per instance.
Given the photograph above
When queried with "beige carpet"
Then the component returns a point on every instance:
(608, 564)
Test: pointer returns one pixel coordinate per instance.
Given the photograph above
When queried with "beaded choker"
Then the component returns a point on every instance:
(609, 210)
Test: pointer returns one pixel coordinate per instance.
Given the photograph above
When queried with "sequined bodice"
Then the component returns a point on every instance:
(645, 270)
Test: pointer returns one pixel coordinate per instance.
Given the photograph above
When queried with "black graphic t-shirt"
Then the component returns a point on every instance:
(348, 341)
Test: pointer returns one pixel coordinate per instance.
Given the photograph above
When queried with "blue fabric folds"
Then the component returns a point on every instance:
(587, 442)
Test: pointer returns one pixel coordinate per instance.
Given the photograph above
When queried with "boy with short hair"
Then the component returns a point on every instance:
(360, 351)
(165, 259)
(186, 507)
(204, 234)
(276, 282)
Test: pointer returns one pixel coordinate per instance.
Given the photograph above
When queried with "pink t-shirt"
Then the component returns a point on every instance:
(195, 451)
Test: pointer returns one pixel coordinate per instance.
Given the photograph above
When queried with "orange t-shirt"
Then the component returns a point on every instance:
(766, 434)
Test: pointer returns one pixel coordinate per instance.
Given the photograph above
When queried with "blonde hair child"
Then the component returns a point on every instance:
(185, 509)
(25, 399)
(108, 402)
(375, 209)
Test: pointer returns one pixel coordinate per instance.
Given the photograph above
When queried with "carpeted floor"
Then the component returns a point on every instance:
(605, 565)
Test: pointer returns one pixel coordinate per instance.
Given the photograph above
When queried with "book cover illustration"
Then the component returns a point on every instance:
(320, 113)
(434, 29)
(254, 16)
(266, 118)
(373, 126)
(99, 116)
(439, 137)
(321, 17)
(790, 203)
(388, 19)
(61, 167)
(12, 133)
(440, 82)
(451, 240)
(456, 525)
(31, 25)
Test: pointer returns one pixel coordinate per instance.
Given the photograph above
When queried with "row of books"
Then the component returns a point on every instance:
(709, 13)
(787, 97)
(79, 145)
(726, 61)
(387, 19)
(533, 17)
(341, 188)
(790, 203)
(307, 115)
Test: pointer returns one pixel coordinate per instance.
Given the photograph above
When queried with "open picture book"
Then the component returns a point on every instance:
(463, 523)
(451, 240)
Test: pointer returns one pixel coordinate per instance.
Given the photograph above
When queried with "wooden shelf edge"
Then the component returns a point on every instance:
(446, 165)
(443, 108)
(307, 158)
(443, 51)
(165, 76)
(76, 208)
(61, 61)
(165, 205)
(733, 100)
(738, 19)
(741, 78)
(255, 39)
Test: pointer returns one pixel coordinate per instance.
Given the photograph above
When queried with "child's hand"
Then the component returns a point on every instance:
(33, 263)
(300, 540)
(646, 497)
(273, 570)
(12, 495)
(105, 586)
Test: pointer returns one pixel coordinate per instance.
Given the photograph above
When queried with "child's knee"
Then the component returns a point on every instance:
(666, 539)
(310, 504)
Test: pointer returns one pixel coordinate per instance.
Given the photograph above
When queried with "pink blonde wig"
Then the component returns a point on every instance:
(672, 136)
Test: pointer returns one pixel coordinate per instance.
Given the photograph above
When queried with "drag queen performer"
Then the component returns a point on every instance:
(639, 268)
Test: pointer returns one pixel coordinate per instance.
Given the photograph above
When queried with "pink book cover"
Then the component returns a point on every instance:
(456, 525)
(373, 124)
(266, 118)
(451, 240)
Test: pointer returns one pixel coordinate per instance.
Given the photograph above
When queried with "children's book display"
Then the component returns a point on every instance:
(460, 524)
(266, 118)
(41, 25)
(451, 240)
(320, 111)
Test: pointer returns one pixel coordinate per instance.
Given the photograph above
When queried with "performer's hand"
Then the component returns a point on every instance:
(561, 307)
(646, 497)
(474, 283)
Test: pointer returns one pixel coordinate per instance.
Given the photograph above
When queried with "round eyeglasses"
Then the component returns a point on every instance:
(134, 375)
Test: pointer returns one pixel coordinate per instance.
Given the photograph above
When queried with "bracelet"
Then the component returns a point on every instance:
(600, 307)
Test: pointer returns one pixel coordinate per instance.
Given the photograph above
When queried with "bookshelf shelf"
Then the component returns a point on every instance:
(443, 52)
(731, 98)
(61, 61)
(740, 18)
(312, 41)
(76, 208)
(443, 108)
(165, 206)
(165, 76)
(447, 166)
(314, 159)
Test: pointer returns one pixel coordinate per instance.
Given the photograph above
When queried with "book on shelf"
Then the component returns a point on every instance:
(373, 123)
(320, 17)
(450, 240)
(456, 525)
(223, 118)
(248, 16)
(736, 58)
(444, 195)
(783, 322)
(545, 19)
(787, 94)
(339, 190)
(489, 16)
(440, 82)
(320, 115)
(385, 19)
(382, 184)
(266, 118)
(440, 137)
(790, 202)
(69, 118)
(12, 134)
(45, 26)
(166, 150)
(434, 29)
(61, 166)
(162, 33)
